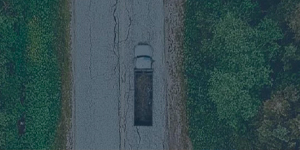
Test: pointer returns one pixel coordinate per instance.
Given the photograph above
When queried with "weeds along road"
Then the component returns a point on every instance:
(104, 33)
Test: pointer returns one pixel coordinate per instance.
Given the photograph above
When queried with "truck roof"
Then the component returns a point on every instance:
(143, 50)
(143, 63)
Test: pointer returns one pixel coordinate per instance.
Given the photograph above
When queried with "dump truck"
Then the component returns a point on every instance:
(143, 85)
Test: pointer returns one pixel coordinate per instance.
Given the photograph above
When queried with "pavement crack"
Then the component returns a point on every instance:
(137, 130)
(124, 117)
(117, 67)
(116, 26)
(128, 30)
(130, 146)
(128, 27)
(123, 77)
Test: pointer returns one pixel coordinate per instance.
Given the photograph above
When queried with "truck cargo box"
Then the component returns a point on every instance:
(143, 97)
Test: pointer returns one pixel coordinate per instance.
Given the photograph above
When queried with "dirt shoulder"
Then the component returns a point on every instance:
(70, 135)
(176, 102)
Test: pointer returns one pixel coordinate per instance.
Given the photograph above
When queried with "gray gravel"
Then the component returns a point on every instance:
(104, 33)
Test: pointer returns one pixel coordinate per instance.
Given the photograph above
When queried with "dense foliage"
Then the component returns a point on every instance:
(279, 125)
(30, 82)
(237, 53)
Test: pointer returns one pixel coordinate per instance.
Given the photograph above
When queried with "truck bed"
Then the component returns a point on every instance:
(143, 97)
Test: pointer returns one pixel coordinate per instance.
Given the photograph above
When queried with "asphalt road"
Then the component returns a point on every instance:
(104, 33)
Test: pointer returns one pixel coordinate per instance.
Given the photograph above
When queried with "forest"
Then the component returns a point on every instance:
(33, 73)
(242, 72)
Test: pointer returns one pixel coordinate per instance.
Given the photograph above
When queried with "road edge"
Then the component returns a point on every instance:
(71, 133)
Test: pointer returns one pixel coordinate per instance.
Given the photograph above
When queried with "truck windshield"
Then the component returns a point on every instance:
(143, 63)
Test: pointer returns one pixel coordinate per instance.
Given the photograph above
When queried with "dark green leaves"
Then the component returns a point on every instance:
(240, 66)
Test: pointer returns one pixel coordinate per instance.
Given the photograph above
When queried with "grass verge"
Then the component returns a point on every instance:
(35, 73)
(64, 59)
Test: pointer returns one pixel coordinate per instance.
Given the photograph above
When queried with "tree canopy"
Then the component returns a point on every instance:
(241, 53)
(280, 123)
(238, 54)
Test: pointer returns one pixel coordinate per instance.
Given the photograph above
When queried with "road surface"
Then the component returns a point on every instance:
(104, 33)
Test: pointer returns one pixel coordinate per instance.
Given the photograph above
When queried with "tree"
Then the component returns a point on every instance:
(241, 55)
(290, 57)
(3, 126)
(294, 21)
(279, 127)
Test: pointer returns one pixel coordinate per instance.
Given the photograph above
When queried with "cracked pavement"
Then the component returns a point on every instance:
(104, 34)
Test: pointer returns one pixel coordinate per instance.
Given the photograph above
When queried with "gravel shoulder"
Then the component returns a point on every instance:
(176, 102)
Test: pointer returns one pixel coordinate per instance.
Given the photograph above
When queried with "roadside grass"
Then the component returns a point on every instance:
(35, 68)
(64, 59)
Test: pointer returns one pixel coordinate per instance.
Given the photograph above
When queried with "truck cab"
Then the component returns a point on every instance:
(143, 57)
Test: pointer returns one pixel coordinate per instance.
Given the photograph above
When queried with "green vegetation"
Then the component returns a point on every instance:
(32, 38)
(241, 57)
(279, 128)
